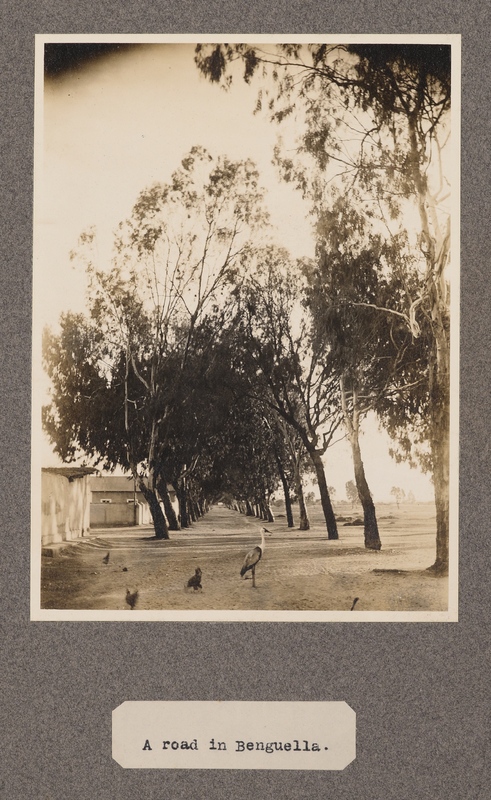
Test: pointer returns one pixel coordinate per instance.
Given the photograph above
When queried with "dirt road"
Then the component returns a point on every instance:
(298, 571)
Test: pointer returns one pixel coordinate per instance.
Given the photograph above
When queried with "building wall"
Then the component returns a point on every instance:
(120, 511)
(108, 515)
(65, 507)
(115, 497)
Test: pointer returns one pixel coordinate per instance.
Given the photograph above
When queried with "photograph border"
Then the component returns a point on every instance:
(451, 615)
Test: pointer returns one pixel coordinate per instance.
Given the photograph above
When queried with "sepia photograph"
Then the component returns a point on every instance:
(246, 328)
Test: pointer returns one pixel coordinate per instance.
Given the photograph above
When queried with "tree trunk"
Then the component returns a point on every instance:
(352, 422)
(372, 538)
(436, 248)
(172, 520)
(440, 449)
(249, 509)
(268, 513)
(441, 482)
(183, 504)
(440, 433)
(288, 509)
(191, 510)
(286, 493)
(332, 528)
(302, 508)
(158, 519)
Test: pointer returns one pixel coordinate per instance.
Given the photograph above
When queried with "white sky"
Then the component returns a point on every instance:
(116, 127)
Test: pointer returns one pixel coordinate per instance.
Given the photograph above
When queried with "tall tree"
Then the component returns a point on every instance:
(293, 461)
(344, 283)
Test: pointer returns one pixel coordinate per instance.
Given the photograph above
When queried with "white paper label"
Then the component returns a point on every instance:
(234, 735)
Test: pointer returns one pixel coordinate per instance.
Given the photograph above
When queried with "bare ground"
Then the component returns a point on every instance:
(298, 571)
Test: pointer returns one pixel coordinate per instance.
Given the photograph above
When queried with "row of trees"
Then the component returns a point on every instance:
(374, 121)
(211, 359)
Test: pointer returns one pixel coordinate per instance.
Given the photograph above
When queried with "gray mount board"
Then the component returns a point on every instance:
(420, 691)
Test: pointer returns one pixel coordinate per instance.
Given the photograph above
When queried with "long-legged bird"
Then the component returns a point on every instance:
(252, 558)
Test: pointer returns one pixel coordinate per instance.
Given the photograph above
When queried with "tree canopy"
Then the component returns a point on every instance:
(373, 120)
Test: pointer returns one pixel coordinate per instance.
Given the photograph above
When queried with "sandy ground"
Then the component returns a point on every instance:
(298, 571)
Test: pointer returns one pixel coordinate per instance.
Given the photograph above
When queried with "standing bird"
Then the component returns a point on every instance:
(252, 558)
(131, 598)
(106, 559)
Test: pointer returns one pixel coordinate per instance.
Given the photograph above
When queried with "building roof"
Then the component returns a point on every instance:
(112, 483)
(70, 472)
(117, 483)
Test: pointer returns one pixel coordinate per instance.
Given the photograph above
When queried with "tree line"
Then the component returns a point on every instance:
(212, 359)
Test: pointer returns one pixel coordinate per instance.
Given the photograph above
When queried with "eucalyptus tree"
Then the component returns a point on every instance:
(356, 289)
(288, 367)
(375, 117)
(298, 460)
(175, 257)
(345, 285)
(293, 462)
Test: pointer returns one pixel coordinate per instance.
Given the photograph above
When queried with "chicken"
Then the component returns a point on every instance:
(131, 598)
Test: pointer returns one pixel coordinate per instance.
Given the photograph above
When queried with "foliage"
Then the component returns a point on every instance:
(124, 376)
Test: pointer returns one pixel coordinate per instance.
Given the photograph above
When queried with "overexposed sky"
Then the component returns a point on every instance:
(114, 127)
(117, 126)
